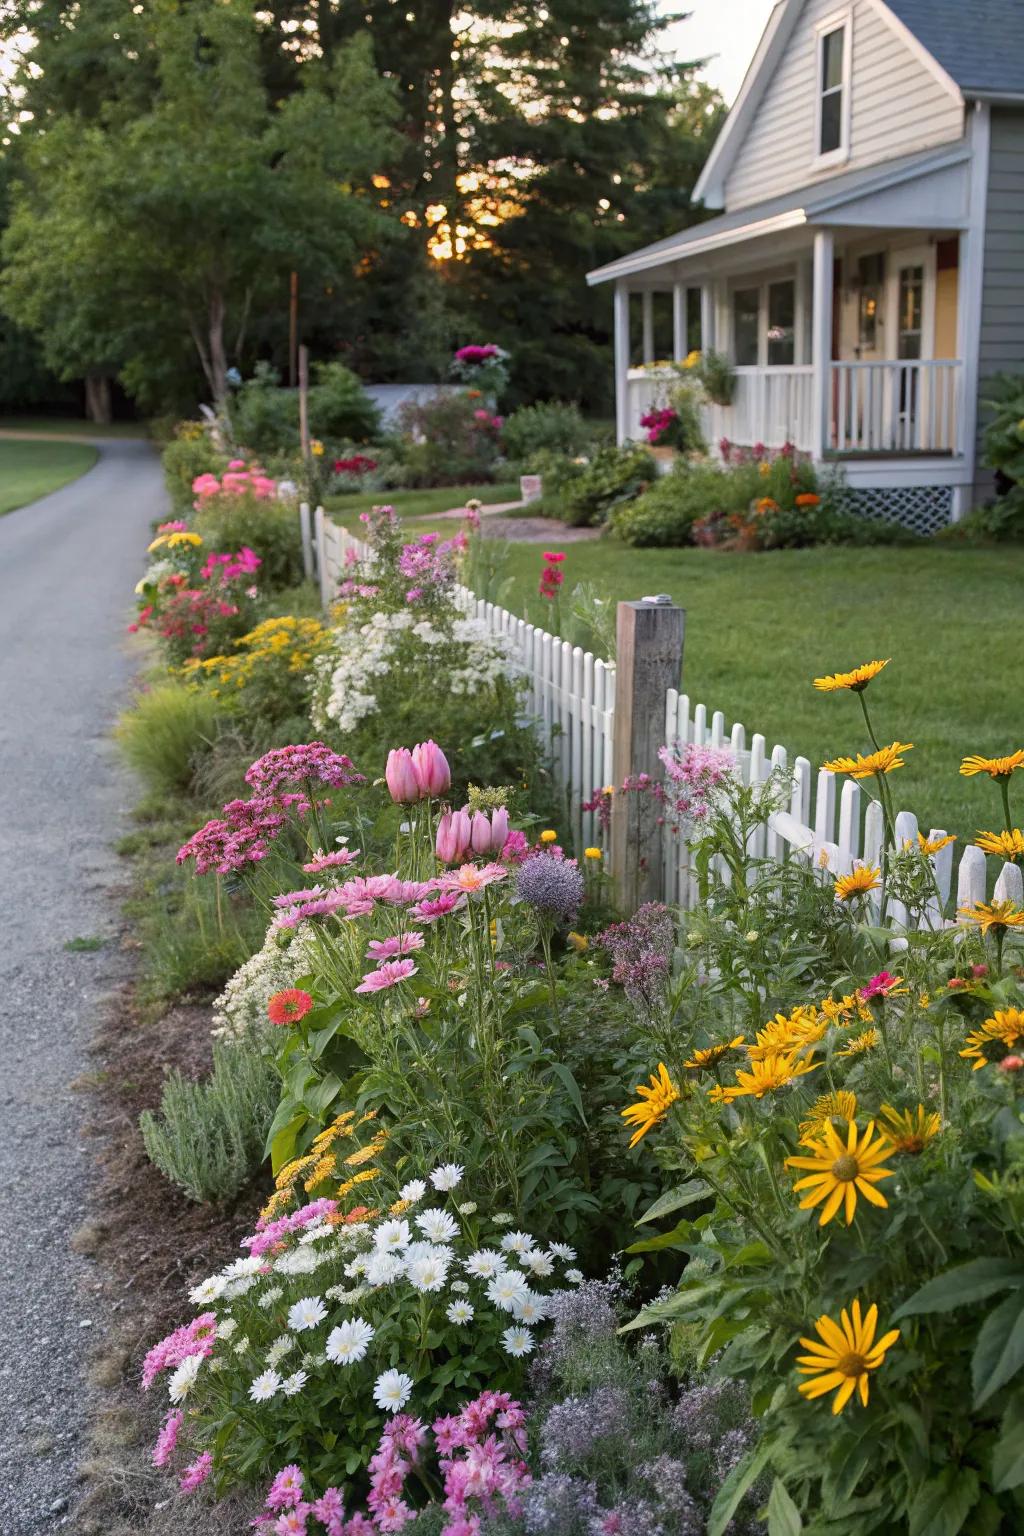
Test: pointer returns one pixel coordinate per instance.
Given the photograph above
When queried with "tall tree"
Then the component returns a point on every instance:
(132, 230)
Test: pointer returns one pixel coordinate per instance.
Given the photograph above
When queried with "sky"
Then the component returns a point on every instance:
(725, 32)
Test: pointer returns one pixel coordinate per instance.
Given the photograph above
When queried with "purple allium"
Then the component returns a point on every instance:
(551, 884)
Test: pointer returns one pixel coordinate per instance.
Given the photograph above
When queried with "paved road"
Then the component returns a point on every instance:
(67, 568)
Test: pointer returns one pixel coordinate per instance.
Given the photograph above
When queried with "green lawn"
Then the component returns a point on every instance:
(411, 504)
(30, 469)
(760, 627)
(71, 426)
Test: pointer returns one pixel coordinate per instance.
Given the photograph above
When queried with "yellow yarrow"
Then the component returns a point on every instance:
(592, 853)
(929, 845)
(767, 1075)
(707, 1057)
(858, 883)
(548, 836)
(998, 914)
(827, 1107)
(794, 1031)
(910, 1130)
(996, 1038)
(995, 767)
(861, 1043)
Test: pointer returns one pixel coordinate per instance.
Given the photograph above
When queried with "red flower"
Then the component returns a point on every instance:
(289, 1007)
(553, 557)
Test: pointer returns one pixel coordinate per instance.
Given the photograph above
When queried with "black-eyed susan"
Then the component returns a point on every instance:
(884, 760)
(840, 1010)
(843, 1354)
(929, 845)
(841, 1168)
(995, 767)
(708, 1057)
(996, 1037)
(867, 1041)
(997, 915)
(796, 1031)
(766, 1075)
(654, 1104)
(859, 882)
(1006, 845)
(910, 1130)
(856, 681)
(827, 1107)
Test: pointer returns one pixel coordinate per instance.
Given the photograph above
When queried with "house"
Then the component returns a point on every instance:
(866, 273)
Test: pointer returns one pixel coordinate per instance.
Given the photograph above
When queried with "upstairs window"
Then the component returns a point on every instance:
(833, 89)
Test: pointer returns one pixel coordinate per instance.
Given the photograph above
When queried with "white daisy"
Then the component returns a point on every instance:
(562, 1251)
(390, 1236)
(507, 1290)
(437, 1226)
(207, 1290)
(485, 1264)
(347, 1297)
(531, 1309)
(517, 1341)
(349, 1342)
(226, 1327)
(272, 1294)
(447, 1176)
(242, 1345)
(427, 1274)
(247, 1266)
(539, 1263)
(383, 1268)
(314, 1233)
(460, 1312)
(307, 1313)
(356, 1267)
(575, 1275)
(292, 1385)
(517, 1242)
(459, 1285)
(503, 1219)
(279, 1348)
(299, 1261)
(184, 1378)
(235, 1288)
(413, 1191)
(264, 1387)
(392, 1390)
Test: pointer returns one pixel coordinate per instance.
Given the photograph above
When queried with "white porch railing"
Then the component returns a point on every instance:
(895, 407)
(773, 406)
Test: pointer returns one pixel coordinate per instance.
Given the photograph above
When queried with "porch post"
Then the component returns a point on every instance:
(680, 341)
(647, 301)
(821, 341)
(970, 284)
(621, 340)
(707, 316)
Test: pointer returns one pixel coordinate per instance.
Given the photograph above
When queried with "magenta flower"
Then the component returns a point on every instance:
(431, 768)
(197, 1473)
(321, 861)
(388, 975)
(489, 833)
(388, 949)
(401, 778)
(286, 1489)
(436, 907)
(167, 1439)
(880, 986)
(302, 764)
(194, 1338)
(471, 878)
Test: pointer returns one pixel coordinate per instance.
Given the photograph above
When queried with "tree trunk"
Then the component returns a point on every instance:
(218, 356)
(97, 399)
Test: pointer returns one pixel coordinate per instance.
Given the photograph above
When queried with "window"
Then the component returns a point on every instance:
(746, 314)
(781, 322)
(833, 89)
(870, 281)
(910, 312)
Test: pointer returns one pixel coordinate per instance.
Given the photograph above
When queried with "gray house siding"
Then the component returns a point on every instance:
(897, 106)
(1002, 306)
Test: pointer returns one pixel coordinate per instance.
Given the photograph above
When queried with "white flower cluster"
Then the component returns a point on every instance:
(476, 659)
(241, 1008)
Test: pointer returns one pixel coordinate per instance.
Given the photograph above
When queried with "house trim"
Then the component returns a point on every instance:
(972, 283)
(626, 266)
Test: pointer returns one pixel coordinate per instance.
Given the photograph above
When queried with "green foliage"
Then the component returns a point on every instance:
(445, 443)
(1004, 452)
(265, 416)
(715, 374)
(550, 426)
(587, 495)
(165, 733)
(189, 454)
(208, 1136)
(339, 407)
(268, 526)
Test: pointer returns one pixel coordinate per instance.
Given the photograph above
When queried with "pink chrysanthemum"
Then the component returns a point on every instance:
(398, 944)
(387, 975)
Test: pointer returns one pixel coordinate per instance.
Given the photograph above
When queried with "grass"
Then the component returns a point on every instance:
(30, 469)
(410, 504)
(73, 426)
(760, 627)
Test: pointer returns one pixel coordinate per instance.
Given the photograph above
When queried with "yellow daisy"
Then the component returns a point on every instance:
(709, 1056)
(995, 767)
(578, 941)
(827, 1107)
(866, 878)
(838, 1171)
(1008, 845)
(801, 1029)
(910, 1130)
(655, 1103)
(840, 1010)
(856, 681)
(930, 845)
(765, 1076)
(865, 1042)
(996, 1037)
(1000, 914)
(847, 1351)
(885, 760)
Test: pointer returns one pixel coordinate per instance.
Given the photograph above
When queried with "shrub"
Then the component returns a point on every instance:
(208, 1137)
(667, 510)
(613, 476)
(550, 426)
(339, 407)
(265, 416)
(165, 732)
(450, 439)
(189, 454)
(269, 675)
(266, 525)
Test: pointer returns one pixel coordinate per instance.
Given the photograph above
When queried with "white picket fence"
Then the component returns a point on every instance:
(572, 694)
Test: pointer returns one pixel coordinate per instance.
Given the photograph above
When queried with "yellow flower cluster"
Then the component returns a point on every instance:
(320, 1163)
(290, 641)
(179, 540)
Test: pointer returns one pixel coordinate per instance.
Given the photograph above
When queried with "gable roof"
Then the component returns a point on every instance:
(979, 43)
(975, 48)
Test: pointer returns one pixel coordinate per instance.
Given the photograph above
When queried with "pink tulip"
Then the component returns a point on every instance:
(431, 766)
(454, 834)
(481, 833)
(400, 776)
(499, 829)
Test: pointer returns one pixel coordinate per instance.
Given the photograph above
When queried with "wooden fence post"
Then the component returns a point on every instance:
(649, 661)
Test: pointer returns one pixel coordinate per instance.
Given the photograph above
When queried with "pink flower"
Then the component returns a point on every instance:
(237, 464)
(489, 833)
(387, 975)
(321, 861)
(515, 848)
(430, 765)
(470, 878)
(167, 1439)
(454, 833)
(286, 1489)
(880, 986)
(294, 1522)
(435, 907)
(400, 944)
(401, 778)
(197, 1473)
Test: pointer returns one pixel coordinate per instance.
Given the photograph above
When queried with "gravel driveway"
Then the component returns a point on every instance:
(67, 568)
